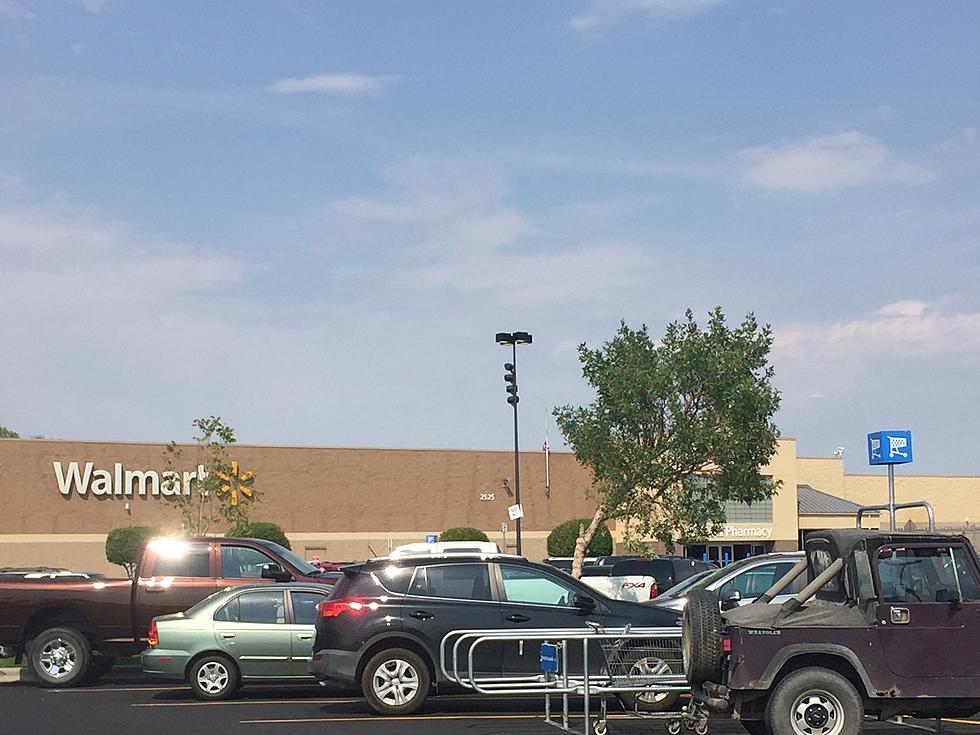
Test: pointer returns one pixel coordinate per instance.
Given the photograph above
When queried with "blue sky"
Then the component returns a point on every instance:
(311, 218)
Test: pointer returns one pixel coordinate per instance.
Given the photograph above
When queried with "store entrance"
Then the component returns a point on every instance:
(724, 554)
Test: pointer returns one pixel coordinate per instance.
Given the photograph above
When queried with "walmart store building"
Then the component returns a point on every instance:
(60, 498)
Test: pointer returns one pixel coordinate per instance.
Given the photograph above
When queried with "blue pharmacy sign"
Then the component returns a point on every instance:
(890, 447)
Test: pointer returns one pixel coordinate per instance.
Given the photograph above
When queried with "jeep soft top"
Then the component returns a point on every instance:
(889, 624)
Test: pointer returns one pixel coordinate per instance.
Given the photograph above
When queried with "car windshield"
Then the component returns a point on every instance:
(718, 574)
(191, 611)
(680, 588)
(304, 566)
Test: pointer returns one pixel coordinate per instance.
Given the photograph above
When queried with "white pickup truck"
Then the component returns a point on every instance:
(640, 580)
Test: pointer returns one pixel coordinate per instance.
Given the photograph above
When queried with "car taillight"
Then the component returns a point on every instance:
(726, 644)
(153, 637)
(336, 608)
(653, 590)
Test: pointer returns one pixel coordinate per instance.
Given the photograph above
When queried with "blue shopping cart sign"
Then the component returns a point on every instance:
(549, 657)
(890, 447)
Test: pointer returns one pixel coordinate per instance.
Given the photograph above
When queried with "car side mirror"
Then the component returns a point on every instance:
(276, 573)
(730, 599)
(584, 603)
(943, 595)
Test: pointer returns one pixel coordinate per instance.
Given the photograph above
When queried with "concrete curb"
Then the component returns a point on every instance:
(11, 676)
(24, 675)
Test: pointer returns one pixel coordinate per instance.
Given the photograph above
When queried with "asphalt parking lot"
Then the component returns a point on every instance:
(147, 708)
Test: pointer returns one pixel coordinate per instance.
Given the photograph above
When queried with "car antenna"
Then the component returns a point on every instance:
(373, 552)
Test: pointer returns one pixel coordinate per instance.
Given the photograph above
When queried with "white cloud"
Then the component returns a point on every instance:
(74, 259)
(15, 11)
(826, 163)
(456, 231)
(601, 16)
(905, 328)
(907, 307)
(94, 6)
(352, 84)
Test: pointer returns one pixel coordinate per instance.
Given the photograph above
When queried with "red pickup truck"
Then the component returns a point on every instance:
(72, 628)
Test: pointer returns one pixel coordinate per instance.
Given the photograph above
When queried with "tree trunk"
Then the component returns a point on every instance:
(582, 542)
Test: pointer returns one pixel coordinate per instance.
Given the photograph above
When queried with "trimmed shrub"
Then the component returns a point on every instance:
(463, 533)
(263, 530)
(561, 541)
(124, 545)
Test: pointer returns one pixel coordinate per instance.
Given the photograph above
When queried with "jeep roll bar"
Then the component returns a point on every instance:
(899, 506)
(782, 583)
(795, 603)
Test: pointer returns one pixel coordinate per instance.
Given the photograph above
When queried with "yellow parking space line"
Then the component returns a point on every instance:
(246, 701)
(368, 718)
(117, 689)
(976, 723)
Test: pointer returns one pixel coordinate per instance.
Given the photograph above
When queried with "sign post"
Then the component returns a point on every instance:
(890, 448)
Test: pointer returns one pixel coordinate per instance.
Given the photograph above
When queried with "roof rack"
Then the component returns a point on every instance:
(899, 506)
(450, 555)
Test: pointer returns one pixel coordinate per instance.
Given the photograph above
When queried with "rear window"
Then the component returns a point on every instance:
(190, 560)
(454, 581)
(393, 579)
(660, 569)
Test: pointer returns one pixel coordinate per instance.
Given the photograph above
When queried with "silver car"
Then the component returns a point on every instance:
(748, 577)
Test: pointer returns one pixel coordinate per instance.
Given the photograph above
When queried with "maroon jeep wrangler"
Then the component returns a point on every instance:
(888, 625)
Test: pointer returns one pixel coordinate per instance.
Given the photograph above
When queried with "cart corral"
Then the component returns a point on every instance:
(624, 664)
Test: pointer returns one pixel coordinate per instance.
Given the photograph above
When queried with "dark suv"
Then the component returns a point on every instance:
(383, 625)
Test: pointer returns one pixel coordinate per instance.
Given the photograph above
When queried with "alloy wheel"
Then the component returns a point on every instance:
(395, 682)
(58, 658)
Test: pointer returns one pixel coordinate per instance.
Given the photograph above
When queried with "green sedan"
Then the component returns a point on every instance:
(241, 634)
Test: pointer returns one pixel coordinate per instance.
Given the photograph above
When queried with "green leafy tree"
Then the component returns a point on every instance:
(6, 433)
(124, 545)
(222, 493)
(678, 427)
(463, 533)
(563, 537)
(263, 530)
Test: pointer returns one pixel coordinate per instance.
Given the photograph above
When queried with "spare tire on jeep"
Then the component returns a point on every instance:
(701, 637)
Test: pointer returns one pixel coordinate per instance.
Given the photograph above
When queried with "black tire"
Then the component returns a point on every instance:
(661, 702)
(59, 657)
(701, 638)
(98, 667)
(650, 701)
(214, 677)
(395, 681)
(756, 727)
(822, 701)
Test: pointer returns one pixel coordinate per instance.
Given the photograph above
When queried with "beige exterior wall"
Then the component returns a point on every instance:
(338, 503)
(347, 503)
(955, 500)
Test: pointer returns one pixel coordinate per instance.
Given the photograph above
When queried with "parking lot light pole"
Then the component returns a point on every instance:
(510, 377)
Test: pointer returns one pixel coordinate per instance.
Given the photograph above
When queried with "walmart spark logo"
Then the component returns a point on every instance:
(235, 484)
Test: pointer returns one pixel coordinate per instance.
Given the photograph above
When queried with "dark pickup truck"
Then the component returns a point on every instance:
(71, 627)
(889, 625)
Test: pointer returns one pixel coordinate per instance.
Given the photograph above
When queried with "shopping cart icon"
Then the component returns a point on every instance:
(890, 447)
(896, 447)
(875, 448)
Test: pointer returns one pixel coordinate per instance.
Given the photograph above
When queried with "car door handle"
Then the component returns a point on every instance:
(305, 636)
(518, 618)
(421, 615)
(227, 635)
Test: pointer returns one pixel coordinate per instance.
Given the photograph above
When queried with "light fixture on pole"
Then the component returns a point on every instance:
(513, 339)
